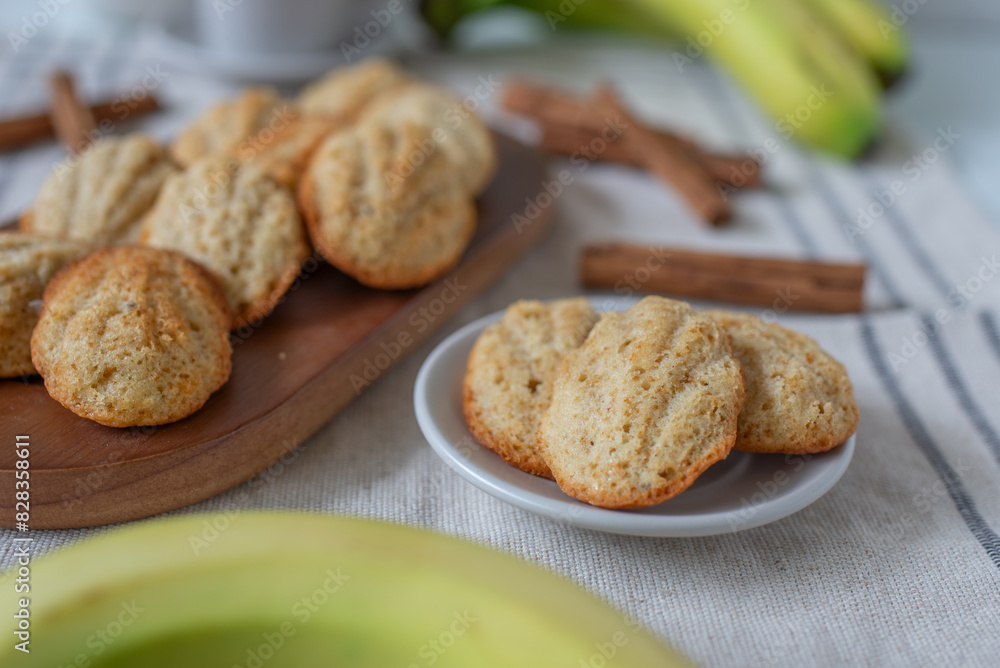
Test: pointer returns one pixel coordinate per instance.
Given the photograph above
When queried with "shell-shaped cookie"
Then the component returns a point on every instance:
(512, 366)
(231, 124)
(238, 222)
(454, 127)
(257, 127)
(101, 195)
(344, 93)
(27, 263)
(799, 398)
(382, 206)
(643, 407)
(133, 336)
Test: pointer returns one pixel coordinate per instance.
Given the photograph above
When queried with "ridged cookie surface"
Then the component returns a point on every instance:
(344, 93)
(27, 263)
(643, 407)
(238, 222)
(132, 336)
(230, 125)
(100, 196)
(508, 384)
(455, 130)
(257, 127)
(799, 399)
(385, 232)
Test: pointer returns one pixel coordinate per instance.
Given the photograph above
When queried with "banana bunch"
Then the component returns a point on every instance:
(280, 590)
(817, 67)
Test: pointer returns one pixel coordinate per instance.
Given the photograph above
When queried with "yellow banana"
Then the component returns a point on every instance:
(816, 89)
(868, 29)
(291, 590)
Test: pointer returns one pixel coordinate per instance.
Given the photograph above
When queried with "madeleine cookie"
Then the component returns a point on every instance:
(643, 407)
(233, 125)
(101, 196)
(385, 233)
(454, 130)
(799, 399)
(133, 336)
(508, 384)
(238, 222)
(27, 264)
(257, 127)
(345, 92)
(285, 155)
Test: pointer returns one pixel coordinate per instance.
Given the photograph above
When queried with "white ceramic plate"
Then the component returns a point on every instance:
(742, 492)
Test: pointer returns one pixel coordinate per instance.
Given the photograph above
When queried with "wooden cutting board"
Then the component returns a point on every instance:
(325, 344)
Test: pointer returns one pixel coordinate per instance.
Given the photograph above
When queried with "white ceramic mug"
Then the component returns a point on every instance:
(275, 26)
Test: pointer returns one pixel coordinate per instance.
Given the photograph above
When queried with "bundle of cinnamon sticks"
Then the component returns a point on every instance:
(601, 127)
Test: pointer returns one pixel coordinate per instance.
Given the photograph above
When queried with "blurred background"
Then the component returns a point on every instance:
(949, 79)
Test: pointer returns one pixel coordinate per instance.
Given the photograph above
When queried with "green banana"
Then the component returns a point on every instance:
(294, 590)
(796, 57)
(869, 30)
(817, 90)
(443, 15)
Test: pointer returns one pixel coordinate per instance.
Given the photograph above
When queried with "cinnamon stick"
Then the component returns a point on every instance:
(772, 282)
(24, 130)
(74, 123)
(674, 167)
(569, 123)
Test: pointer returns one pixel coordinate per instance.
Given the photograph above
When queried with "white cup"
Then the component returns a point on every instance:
(275, 26)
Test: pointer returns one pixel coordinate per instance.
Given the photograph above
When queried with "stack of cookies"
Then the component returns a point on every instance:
(626, 410)
(144, 257)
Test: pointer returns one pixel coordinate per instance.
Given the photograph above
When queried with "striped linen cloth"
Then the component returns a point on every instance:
(898, 565)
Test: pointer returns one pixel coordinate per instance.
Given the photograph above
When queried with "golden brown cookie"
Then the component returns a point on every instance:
(258, 127)
(233, 125)
(101, 195)
(27, 263)
(799, 399)
(133, 336)
(386, 234)
(344, 93)
(455, 131)
(238, 222)
(508, 383)
(643, 407)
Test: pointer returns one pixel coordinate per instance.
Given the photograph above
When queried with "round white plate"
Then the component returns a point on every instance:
(741, 492)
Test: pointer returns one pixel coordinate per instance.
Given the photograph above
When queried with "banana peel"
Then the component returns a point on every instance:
(295, 590)
(816, 66)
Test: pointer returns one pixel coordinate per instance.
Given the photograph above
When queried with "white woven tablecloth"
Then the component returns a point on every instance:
(898, 565)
